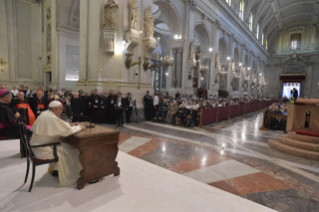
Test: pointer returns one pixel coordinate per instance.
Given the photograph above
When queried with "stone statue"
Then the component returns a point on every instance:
(49, 14)
(110, 14)
(233, 69)
(134, 13)
(49, 38)
(149, 22)
(192, 50)
(217, 63)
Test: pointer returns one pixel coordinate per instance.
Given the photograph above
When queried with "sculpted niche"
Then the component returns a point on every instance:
(133, 13)
(149, 22)
(110, 14)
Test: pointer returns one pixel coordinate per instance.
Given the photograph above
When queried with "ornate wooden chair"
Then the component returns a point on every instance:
(30, 156)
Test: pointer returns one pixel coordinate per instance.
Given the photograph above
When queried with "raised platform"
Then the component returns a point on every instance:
(298, 145)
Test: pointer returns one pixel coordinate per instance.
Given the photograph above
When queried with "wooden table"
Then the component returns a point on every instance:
(98, 150)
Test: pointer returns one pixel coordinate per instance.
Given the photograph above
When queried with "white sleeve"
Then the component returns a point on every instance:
(73, 130)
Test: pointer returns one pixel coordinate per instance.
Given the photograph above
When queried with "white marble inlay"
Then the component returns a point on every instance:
(132, 143)
(221, 171)
(142, 186)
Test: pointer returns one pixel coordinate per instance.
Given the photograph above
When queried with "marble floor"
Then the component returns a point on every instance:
(233, 156)
(226, 166)
(141, 187)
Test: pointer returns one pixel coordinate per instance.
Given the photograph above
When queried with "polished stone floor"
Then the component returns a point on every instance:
(233, 156)
(141, 187)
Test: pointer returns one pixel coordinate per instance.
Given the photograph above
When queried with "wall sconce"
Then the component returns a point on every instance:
(129, 63)
(228, 58)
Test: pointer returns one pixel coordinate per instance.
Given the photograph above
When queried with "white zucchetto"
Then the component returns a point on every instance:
(55, 104)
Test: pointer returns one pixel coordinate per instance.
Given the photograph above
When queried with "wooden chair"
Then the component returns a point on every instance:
(30, 156)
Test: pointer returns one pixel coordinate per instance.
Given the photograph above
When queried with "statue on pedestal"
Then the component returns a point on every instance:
(110, 14)
(192, 50)
(217, 63)
(149, 22)
(134, 13)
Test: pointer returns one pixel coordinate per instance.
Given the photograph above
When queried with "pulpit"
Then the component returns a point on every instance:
(98, 150)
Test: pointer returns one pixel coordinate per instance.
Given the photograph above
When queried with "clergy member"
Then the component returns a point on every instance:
(103, 102)
(110, 113)
(22, 106)
(120, 104)
(128, 108)
(95, 104)
(40, 104)
(48, 128)
(9, 123)
(148, 104)
(77, 108)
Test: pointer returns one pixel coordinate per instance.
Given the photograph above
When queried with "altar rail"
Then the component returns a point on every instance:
(217, 114)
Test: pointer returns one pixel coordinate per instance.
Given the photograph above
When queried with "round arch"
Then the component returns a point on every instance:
(170, 12)
(201, 35)
(69, 14)
(222, 49)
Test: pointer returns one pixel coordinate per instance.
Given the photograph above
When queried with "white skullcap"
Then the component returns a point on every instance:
(54, 104)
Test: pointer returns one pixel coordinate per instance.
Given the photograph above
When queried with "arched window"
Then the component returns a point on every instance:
(250, 21)
(262, 38)
(257, 34)
(241, 10)
(295, 41)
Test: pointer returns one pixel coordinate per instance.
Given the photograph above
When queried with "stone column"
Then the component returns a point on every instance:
(250, 75)
(179, 70)
(54, 45)
(89, 45)
(213, 88)
(83, 41)
(174, 68)
(229, 73)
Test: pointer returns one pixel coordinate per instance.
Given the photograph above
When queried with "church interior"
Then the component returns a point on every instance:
(159, 105)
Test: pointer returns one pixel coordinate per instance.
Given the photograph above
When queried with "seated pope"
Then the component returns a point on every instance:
(48, 128)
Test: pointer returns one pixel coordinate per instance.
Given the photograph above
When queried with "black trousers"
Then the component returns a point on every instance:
(119, 114)
(148, 113)
(128, 114)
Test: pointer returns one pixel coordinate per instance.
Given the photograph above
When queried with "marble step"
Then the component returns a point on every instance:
(304, 138)
(293, 150)
(298, 144)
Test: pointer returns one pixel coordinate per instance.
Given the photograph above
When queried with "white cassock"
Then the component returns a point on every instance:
(48, 128)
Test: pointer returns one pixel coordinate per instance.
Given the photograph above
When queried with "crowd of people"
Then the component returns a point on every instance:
(183, 110)
(279, 122)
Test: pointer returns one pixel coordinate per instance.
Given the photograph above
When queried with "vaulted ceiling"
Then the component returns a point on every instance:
(275, 15)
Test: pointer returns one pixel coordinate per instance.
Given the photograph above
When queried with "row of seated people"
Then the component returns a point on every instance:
(277, 123)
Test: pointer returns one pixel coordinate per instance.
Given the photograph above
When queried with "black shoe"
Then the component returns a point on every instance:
(55, 173)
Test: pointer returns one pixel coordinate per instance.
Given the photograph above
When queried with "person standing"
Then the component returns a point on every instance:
(14, 91)
(68, 106)
(148, 105)
(295, 94)
(77, 108)
(103, 103)
(155, 104)
(111, 101)
(39, 104)
(95, 104)
(120, 104)
(128, 108)
(177, 95)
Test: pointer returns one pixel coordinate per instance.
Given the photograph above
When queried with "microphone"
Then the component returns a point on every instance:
(87, 117)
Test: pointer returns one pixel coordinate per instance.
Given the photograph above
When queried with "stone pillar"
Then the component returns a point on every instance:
(83, 41)
(250, 75)
(213, 88)
(54, 45)
(179, 70)
(174, 68)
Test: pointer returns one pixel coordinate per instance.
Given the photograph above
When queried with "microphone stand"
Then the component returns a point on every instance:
(87, 117)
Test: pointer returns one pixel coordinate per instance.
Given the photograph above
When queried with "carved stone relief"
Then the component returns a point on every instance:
(149, 22)
(133, 14)
(110, 14)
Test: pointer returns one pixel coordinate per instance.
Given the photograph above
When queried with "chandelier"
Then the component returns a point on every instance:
(203, 69)
(167, 61)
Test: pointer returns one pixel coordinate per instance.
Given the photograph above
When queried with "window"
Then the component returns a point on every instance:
(262, 38)
(266, 44)
(257, 34)
(241, 10)
(250, 21)
(295, 41)
(228, 2)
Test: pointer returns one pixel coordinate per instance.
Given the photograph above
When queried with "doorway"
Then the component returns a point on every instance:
(47, 79)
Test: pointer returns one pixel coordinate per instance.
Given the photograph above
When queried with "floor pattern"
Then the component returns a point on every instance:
(286, 183)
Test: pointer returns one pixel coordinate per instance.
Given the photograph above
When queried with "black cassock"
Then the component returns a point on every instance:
(103, 104)
(95, 108)
(77, 109)
(89, 106)
(110, 112)
(85, 104)
(148, 107)
(8, 119)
